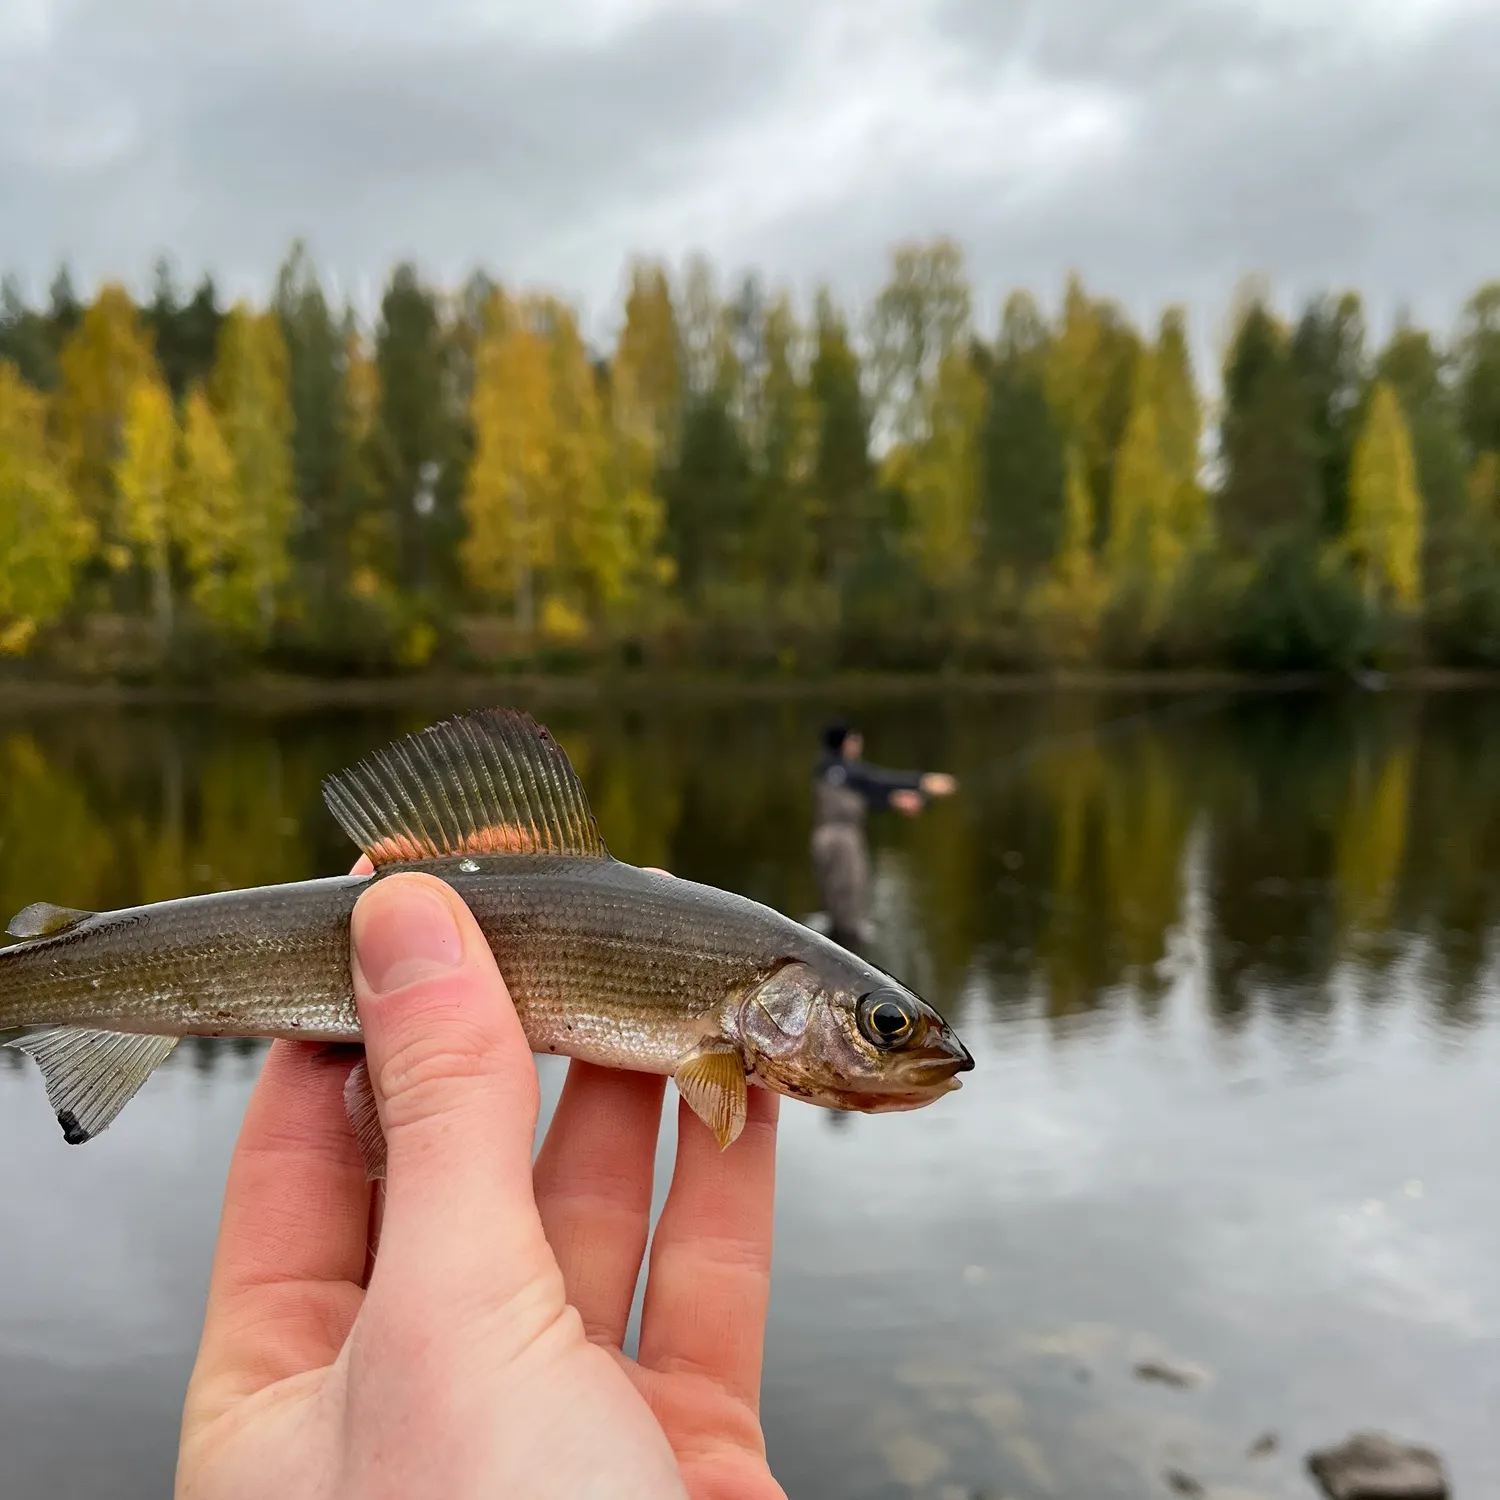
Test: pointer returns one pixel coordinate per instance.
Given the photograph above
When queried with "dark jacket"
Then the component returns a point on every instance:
(845, 790)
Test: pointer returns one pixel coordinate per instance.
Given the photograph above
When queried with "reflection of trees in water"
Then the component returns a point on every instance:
(1333, 830)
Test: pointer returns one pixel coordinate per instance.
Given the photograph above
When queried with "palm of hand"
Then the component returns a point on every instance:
(479, 1353)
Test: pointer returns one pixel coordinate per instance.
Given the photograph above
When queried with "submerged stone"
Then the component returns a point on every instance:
(1372, 1466)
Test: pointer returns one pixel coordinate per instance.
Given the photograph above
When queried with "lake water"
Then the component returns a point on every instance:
(1227, 969)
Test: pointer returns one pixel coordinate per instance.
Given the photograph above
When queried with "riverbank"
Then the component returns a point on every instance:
(283, 691)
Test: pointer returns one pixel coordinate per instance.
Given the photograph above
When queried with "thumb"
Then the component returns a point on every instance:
(457, 1090)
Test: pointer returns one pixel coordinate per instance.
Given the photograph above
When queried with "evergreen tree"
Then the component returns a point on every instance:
(25, 338)
(317, 390)
(64, 310)
(1478, 354)
(417, 434)
(1327, 354)
(782, 440)
(1413, 368)
(1021, 450)
(843, 476)
(1270, 475)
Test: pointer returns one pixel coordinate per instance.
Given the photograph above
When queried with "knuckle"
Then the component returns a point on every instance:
(429, 1072)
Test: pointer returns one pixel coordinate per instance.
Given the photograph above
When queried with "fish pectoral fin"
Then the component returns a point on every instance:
(493, 782)
(43, 919)
(712, 1081)
(364, 1116)
(92, 1075)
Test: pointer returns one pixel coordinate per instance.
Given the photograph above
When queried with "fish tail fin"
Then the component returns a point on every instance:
(90, 1075)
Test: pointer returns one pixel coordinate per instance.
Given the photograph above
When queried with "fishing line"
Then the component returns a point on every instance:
(1192, 708)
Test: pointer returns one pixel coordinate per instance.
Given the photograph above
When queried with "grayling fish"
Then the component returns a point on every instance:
(606, 962)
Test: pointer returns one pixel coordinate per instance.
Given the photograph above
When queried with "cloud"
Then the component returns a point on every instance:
(1163, 148)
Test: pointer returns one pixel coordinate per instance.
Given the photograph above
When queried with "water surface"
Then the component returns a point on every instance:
(1227, 969)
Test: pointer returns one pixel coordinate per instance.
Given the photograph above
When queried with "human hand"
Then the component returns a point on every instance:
(477, 1353)
(907, 802)
(938, 784)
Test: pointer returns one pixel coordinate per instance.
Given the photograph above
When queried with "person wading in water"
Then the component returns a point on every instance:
(844, 790)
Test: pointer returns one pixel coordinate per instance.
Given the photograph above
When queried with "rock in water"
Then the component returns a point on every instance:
(1372, 1466)
(1166, 1372)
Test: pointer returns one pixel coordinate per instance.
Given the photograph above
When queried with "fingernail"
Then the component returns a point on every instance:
(403, 932)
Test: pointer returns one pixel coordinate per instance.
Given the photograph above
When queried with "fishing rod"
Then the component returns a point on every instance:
(1192, 708)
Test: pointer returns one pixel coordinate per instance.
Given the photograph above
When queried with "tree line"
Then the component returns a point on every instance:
(739, 481)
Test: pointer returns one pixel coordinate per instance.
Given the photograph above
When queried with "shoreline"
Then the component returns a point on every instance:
(276, 692)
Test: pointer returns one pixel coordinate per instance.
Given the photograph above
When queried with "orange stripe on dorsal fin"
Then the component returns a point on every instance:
(492, 782)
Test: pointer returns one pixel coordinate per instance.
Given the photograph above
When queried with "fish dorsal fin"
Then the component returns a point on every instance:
(92, 1075)
(493, 782)
(43, 919)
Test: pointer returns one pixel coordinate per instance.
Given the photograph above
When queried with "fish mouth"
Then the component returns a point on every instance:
(921, 1080)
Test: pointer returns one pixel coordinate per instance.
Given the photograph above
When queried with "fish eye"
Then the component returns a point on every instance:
(887, 1018)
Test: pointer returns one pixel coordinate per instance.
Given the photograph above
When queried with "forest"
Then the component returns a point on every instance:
(737, 482)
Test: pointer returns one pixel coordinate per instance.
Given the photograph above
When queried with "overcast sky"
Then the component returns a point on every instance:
(1163, 147)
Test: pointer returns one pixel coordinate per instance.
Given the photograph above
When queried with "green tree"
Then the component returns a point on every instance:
(184, 335)
(1414, 369)
(1385, 509)
(417, 434)
(255, 417)
(1090, 382)
(920, 317)
(1270, 482)
(145, 477)
(1144, 549)
(321, 429)
(25, 338)
(1327, 355)
(43, 533)
(1068, 604)
(1021, 449)
(941, 478)
(782, 450)
(843, 475)
(1478, 359)
(708, 496)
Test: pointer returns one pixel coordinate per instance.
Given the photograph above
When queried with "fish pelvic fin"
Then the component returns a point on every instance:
(43, 919)
(364, 1116)
(92, 1075)
(492, 782)
(712, 1083)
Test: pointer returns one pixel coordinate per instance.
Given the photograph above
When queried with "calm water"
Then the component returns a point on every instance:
(1228, 971)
